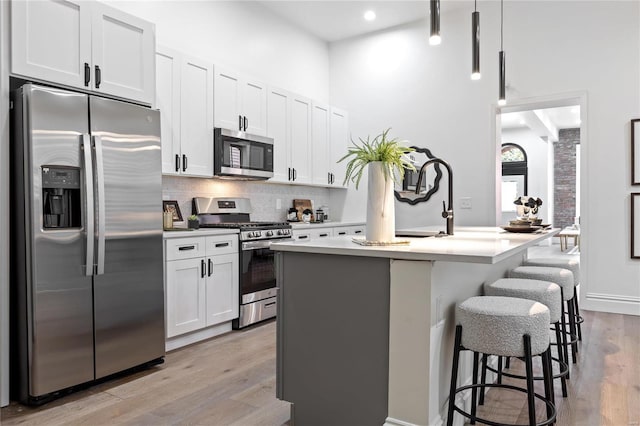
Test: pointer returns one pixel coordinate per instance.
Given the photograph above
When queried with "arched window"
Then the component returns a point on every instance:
(514, 174)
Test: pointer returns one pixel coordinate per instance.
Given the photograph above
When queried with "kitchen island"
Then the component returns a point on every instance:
(365, 333)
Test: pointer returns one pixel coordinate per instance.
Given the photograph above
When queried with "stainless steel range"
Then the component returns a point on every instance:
(258, 287)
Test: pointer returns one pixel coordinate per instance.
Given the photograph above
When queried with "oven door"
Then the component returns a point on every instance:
(257, 271)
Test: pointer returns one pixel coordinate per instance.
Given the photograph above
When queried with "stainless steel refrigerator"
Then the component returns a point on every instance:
(87, 280)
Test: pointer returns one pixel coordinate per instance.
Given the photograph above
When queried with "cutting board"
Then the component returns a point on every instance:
(302, 205)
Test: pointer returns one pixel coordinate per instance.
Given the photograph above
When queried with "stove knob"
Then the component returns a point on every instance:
(258, 234)
(269, 233)
(251, 234)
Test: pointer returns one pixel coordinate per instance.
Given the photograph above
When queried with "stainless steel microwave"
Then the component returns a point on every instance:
(240, 155)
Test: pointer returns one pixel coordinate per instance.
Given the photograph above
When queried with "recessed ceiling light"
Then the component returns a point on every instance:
(369, 15)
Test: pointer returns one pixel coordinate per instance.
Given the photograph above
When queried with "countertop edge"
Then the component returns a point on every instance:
(202, 232)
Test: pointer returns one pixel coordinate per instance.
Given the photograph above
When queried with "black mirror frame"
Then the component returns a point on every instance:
(436, 182)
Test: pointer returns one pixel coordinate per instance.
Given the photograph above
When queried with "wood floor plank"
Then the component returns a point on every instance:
(230, 380)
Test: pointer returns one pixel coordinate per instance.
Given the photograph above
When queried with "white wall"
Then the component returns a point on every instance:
(538, 169)
(394, 78)
(241, 35)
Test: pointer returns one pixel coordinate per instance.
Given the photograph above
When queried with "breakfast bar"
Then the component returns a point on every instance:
(365, 333)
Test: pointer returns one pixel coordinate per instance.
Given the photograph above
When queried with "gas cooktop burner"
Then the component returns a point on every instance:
(248, 225)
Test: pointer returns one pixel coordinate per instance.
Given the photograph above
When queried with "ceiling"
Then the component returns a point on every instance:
(333, 20)
(543, 122)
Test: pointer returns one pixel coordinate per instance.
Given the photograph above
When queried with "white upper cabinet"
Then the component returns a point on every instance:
(196, 118)
(122, 54)
(300, 142)
(240, 102)
(85, 45)
(168, 64)
(339, 145)
(320, 147)
(184, 97)
(51, 40)
(279, 128)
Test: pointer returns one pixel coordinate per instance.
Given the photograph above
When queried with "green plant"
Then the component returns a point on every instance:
(193, 217)
(381, 148)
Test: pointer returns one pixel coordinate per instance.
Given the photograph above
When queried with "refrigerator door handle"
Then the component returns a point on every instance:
(97, 141)
(89, 206)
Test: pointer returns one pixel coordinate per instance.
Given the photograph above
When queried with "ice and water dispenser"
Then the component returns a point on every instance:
(61, 197)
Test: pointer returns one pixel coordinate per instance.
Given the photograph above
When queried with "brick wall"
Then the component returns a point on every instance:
(564, 169)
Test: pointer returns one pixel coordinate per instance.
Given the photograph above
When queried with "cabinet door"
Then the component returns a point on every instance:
(227, 94)
(222, 288)
(196, 118)
(320, 143)
(301, 139)
(278, 128)
(186, 301)
(254, 106)
(339, 145)
(123, 52)
(168, 102)
(51, 40)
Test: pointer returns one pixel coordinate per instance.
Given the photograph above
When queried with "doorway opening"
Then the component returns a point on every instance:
(539, 143)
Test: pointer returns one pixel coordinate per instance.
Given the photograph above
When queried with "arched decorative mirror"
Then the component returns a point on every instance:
(406, 190)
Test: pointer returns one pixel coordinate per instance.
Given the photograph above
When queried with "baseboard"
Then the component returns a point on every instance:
(390, 421)
(612, 303)
(196, 336)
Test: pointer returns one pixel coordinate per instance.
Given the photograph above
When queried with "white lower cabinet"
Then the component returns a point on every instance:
(201, 282)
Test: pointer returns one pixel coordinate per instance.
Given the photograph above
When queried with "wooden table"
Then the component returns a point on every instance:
(569, 232)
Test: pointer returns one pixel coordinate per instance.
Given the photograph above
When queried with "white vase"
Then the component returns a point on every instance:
(381, 218)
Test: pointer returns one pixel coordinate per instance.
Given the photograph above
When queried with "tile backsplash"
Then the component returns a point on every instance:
(263, 195)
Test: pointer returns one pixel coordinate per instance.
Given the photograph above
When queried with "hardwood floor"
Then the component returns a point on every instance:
(230, 380)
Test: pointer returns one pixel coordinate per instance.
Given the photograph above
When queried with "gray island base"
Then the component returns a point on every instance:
(365, 334)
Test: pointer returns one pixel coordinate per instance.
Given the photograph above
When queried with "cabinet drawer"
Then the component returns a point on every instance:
(322, 233)
(185, 248)
(222, 244)
(356, 230)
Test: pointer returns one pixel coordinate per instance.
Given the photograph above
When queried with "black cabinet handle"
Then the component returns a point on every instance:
(186, 248)
(246, 123)
(289, 169)
(358, 232)
(295, 174)
(184, 163)
(240, 122)
(177, 163)
(202, 268)
(333, 178)
(342, 233)
(98, 77)
(303, 237)
(222, 245)
(87, 74)
(210, 271)
(324, 235)
(328, 177)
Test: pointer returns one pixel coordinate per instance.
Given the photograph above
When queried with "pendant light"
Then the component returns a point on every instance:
(475, 43)
(502, 99)
(435, 23)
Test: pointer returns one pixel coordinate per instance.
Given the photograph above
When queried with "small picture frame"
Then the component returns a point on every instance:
(635, 151)
(635, 225)
(173, 207)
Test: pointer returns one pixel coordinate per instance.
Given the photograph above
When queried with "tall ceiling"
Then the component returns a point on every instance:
(333, 20)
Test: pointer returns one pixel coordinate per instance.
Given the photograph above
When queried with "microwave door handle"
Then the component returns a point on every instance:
(89, 207)
(97, 141)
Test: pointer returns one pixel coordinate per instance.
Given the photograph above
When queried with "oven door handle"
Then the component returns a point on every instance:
(264, 244)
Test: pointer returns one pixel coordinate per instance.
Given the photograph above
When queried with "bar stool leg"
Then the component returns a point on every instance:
(547, 371)
(474, 390)
(529, 368)
(499, 370)
(563, 379)
(572, 330)
(578, 324)
(483, 377)
(563, 323)
(454, 374)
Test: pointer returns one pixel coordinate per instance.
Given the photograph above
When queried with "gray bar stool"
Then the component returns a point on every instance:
(503, 326)
(545, 292)
(574, 266)
(563, 278)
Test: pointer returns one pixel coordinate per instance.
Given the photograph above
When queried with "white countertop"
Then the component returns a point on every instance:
(201, 232)
(327, 224)
(469, 244)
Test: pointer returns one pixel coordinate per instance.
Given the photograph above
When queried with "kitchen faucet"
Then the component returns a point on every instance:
(447, 212)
